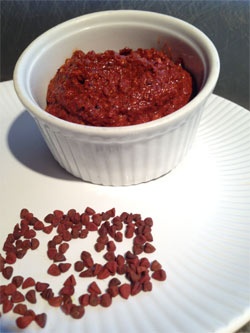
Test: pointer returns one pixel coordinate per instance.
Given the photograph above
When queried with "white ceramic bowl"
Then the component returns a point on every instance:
(117, 155)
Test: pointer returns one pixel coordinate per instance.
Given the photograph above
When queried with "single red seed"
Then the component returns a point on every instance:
(17, 280)
(89, 211)
(51, 253)
(66, 235)
(54, 270)
(58, 213)
(96, 269)
(99, 246)
(10, 258)
(94, 300)
(47, 293)
(31, 313)
(48, 229)
(111, 266)
(118, 236)
(63, 248)
(84, 299)
(9, 289)
(159, 275)
(129, 231)
(7, 272)
(124, 290)
(64, 267)
(138, 249)
(24, 321)
(26, 245)
(41, 286)
(97, 219)
(70, 281)
(17, 297)
(114, 282)
(78, 266)
(147, 286)
(59, 257)
(88, 262)
(34, 243)
(94, 288)
(105, 300)
(103, 274)
(111, 247)
(24, 212)
(29, 282)
(20, 308)
(7, 305)
(136, 287)
(31, 233)
(113, 291)
(55, 301)
(139, 240)
(109, 256)
(31, 296)
(38, 225)
(77, 311)
(57, 239)
(155, 265)
(41, 319)
(149, 248)
(120, 260)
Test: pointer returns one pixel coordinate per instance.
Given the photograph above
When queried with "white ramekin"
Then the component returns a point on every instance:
(117, 155)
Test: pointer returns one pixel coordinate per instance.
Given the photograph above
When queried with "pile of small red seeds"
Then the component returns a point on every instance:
(110, 229)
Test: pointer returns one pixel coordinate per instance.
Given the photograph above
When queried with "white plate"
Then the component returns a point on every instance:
(201, 212)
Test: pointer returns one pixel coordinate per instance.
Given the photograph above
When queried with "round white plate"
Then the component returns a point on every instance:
(201, 213)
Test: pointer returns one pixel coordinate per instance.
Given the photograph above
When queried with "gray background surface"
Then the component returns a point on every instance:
(225, 22)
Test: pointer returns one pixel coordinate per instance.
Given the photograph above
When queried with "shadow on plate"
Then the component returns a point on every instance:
(28, 146)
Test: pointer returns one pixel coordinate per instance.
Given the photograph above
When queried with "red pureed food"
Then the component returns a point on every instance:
(127, 273)
(118, 89)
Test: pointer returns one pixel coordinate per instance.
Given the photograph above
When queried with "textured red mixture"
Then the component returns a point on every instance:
(118, 89)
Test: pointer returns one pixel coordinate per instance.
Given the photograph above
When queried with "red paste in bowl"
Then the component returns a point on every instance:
(118, 89)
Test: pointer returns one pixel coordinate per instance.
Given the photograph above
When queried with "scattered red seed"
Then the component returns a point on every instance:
(63, 248)
(155, 265)
(159, 275)
(7, 305)
(10, 258)
(9, 289)
(17, 280)
(149, 248)
(94, 288)
(105, 300)
(94, 299)
(24, 321)
(17, 297)
(20, 308)
(77, 311)
(7, 272)
(55, 301)
(34, 244)
(124, 290)
(41, 286)
(64, 267)
(54, 270)
(31, 296)
(29, 282)
(41, 319)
